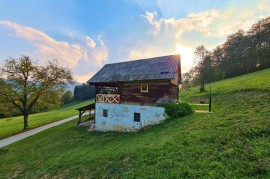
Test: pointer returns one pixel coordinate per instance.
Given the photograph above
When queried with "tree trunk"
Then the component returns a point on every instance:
(202, 87)
(25, 120)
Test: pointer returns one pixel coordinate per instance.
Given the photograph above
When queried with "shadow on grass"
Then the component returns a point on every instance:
(114, 135)
(3, 151)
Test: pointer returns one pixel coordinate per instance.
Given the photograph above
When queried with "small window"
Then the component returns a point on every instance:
(137, 117)
(105, 112)
(144, 87)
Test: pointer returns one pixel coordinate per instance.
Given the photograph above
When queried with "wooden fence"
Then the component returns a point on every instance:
(108, 98)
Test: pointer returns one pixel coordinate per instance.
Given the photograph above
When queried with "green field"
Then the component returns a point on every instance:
(231, 142)
(258, 81)
(11, 126)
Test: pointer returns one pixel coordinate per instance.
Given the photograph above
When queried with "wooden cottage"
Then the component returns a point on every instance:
(127, 93)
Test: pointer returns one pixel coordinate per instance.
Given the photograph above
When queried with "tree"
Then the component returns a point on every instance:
(217, 56)
(67, 97)
(243, 52)
(84, 92)
(26, 86)
(187, 79)
(201, 55)
(260, 36)
(235, 48)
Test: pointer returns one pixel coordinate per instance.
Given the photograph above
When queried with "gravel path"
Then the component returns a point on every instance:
(23, 135)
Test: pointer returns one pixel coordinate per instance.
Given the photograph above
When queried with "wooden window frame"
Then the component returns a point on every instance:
(137, 117)
(105, 112)
(144, 91)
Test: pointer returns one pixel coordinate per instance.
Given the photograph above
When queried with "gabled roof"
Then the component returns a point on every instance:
(157, 68)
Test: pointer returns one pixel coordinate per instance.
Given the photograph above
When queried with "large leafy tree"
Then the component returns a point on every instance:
(259, 34)
(217, 56)
(26, 86)
(202, 65)
(235, 58)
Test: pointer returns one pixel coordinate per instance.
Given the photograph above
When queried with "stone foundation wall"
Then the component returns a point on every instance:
(121, 116)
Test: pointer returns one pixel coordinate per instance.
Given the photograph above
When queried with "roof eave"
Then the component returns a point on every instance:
(93, 83)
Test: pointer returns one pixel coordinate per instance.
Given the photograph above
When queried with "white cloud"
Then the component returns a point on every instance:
(207, 28)
(46, 46)
(90, 42)
(212, 23)
(68, 54)
(150, 16)
(93, 53)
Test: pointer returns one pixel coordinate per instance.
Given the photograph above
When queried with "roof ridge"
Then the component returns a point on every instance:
(143, 59)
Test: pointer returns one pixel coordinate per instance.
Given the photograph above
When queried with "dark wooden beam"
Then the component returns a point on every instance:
(177, 94)
(96, 91)
(99, 89)
(80, 118)
(120, 92)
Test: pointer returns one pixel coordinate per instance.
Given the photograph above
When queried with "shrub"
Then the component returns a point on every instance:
(177, 110)
(67, 97)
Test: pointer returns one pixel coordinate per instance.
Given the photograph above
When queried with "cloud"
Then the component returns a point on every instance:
(209, 28)
(68, 54)
(154, 33)
(46, 46)
(90, 42)
(211, 23)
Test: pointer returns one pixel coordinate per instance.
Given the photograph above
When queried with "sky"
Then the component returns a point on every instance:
(84, 35)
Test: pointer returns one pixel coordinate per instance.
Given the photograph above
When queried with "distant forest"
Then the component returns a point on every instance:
(243, 52)
(84, 92)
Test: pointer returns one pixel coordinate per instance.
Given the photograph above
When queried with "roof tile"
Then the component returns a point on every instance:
(156, 68)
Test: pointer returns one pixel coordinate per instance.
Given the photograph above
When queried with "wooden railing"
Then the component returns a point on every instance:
(108, 98)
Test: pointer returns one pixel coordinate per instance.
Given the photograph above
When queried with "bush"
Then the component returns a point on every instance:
(177, 110)
(67, 97)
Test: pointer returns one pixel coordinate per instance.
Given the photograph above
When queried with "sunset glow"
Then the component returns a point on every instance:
(85, 35)
(187, 57)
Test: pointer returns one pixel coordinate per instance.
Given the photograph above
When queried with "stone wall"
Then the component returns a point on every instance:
(121, 116)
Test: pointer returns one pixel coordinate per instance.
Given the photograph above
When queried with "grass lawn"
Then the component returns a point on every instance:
(253, 81)
(231, 142)
(200, 107)
(11, 126)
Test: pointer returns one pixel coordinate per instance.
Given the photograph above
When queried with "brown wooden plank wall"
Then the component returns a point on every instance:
(158, 92)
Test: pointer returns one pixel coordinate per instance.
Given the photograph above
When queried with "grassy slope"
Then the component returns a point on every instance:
(232, 142)
(11, 126)
(258, 81)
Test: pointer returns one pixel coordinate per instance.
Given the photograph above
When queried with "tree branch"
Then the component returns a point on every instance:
(17, 106)
(32, 103)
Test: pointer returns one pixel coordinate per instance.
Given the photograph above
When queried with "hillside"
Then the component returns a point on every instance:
(231, 142)
(11, 126)
(258, 81)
